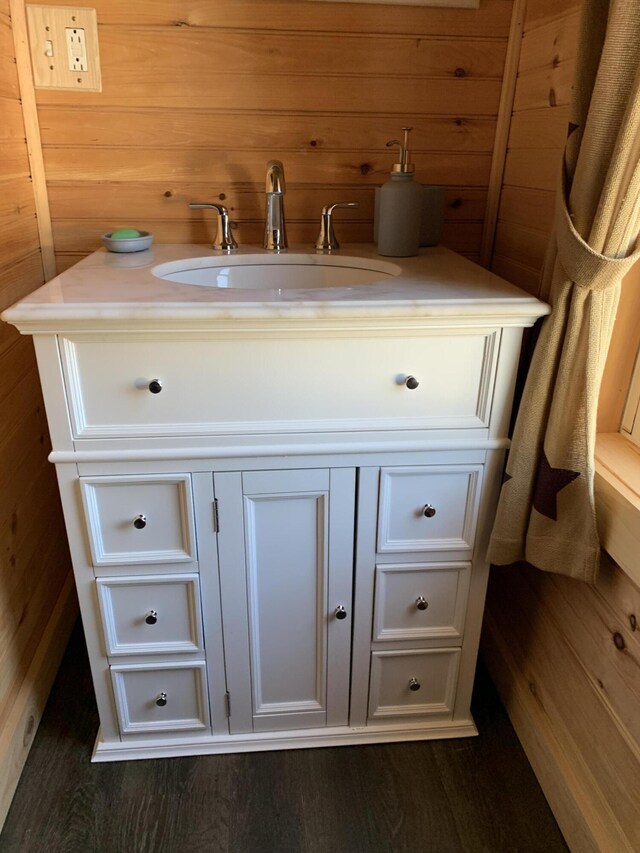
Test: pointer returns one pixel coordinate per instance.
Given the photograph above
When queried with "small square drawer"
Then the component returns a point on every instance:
(148, 616)
(146, 519)
(160, 697)
(413, 683)
(430, 508)
(420, 602)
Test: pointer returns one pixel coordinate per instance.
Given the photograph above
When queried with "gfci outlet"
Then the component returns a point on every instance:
(64, 47)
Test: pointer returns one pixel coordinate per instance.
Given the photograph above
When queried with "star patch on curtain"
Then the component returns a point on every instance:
(549, 482)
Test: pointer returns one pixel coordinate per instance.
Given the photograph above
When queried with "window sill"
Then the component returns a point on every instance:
(617, 493)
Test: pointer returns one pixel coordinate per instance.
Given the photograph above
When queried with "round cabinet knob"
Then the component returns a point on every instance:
(140, 522)
(340, 612)
(414, 684)
(152, 617)
(421, 602)
(155, 386)
(411, 382)
(161, 701)
(428, 511)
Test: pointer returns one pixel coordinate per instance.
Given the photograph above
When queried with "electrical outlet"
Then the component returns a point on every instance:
(64, 47)
(76, 52)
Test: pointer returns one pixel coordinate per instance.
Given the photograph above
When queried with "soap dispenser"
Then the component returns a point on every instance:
(399, 207)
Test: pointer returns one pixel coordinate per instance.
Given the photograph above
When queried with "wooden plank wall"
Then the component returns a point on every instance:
(565, 656)
(34, 561)
(536, 139)
(199, 96)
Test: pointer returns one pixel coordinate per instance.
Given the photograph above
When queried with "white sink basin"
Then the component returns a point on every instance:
(276, 272)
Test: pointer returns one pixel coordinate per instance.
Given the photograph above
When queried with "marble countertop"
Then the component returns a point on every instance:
(118, 290)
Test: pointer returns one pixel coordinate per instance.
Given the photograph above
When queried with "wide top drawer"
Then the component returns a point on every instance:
(139, 386)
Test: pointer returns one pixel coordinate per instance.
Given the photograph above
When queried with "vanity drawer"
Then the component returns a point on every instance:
(413, 683)
(139, 519)
(430, 508)
(420, 602)
(148, 616)
(280, 381)
(160, 698)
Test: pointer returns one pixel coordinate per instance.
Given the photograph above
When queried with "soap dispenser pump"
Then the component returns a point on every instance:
(400, 207)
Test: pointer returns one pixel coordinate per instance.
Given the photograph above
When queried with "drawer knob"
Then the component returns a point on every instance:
(340, 612)
(152, 617)
(428, 511)
(421, 602)
(414, 684)
(155, 386)
(411, 382)
(140, 522)
(161, 701)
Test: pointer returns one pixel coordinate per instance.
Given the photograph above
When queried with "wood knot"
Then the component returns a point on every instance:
(459, 72)
(313, 143)
(222, 196)
(168, 194)
(28, 730)
(555, 61)
(633, 622)
(459, 122)
(456, 203)
(618, 641)
(365, 168)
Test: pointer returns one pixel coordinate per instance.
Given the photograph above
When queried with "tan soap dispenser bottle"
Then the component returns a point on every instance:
(400, 207)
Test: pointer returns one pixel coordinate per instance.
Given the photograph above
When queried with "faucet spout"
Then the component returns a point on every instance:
(275, 233)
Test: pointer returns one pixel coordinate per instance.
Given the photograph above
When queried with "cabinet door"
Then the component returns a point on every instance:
(285, 546)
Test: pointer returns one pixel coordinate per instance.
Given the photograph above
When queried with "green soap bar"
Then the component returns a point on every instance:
(125, 234)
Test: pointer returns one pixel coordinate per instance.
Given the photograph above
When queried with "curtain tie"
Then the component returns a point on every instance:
(584, 266)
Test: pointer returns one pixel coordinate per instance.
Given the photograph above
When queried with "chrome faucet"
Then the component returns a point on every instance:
(225, 241)
(275, 233)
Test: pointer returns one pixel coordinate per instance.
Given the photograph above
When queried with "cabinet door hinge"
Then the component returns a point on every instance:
(216, 517)
(227, 703)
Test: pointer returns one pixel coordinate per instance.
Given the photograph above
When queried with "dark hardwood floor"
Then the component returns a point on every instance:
(476, 794)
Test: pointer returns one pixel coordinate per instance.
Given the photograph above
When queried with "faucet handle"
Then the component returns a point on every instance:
(225, 241)
(327, 240)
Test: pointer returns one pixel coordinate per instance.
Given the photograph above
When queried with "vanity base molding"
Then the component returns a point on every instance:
(228, 744)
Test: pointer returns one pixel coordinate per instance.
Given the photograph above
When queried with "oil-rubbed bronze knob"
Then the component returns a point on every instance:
(161, 701)
(428, 511)
(414, 684)
(340, 612)
(421, 602)
(140, 522)
(155, 386)
(411, 382)
(152, 617)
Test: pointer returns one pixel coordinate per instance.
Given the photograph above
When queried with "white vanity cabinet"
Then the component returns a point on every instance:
(278, 507)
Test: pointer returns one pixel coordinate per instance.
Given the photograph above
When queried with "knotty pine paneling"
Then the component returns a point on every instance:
(144, 199)
(197, 98)
(490, 21)
(542, 12)
(536, 139)
(11, 126)
(146, 127)
(564, 655)
(543, 128)
(34, 562)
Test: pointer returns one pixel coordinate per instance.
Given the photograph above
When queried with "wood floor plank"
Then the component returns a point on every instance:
(457, 796)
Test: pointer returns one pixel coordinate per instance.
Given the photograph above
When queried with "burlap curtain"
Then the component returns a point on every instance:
(546, 513)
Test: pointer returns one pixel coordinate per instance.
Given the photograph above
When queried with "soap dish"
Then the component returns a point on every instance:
(128, 244)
